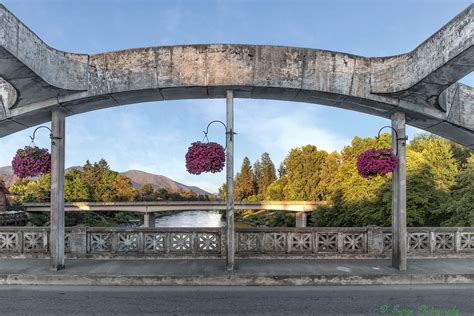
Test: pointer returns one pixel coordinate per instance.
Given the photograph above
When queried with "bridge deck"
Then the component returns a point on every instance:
(163, 206)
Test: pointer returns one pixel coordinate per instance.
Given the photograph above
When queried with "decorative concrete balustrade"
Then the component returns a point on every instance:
(363, 242)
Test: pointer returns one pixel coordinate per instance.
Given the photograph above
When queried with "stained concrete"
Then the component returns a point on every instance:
(247, 272)
(45, 78)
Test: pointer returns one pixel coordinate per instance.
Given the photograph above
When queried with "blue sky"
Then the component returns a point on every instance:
(154, 136)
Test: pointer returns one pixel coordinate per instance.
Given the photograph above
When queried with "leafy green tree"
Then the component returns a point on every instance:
(76, 188)
(268, 174)
(37, 190)
(223, 191)
(275, 191)
(327, 183)
(423, 197)
(352, 196)
(459, 207)
(147, 192)
(304, 165)
(243, 187)
(124, 190)
(461, 154)
(437, 151)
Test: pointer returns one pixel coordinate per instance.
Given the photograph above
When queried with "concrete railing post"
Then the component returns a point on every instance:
(58, 121)
(399, 183)
(374, 241)
(78, 241)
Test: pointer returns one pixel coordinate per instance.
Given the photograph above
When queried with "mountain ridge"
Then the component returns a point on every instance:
(138, 178)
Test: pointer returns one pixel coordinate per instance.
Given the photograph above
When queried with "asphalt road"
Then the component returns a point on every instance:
(327, 300)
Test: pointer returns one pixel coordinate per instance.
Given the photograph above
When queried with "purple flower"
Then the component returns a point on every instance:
(205, 157)
(31, 162)
(376, 162)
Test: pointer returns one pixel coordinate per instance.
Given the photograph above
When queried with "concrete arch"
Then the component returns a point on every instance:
(421, 83)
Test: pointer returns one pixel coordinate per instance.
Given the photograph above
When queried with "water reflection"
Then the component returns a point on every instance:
(191, 219)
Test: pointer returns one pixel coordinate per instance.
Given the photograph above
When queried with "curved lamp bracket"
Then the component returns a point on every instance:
(227, 132)
(403, 139)
(50, 135)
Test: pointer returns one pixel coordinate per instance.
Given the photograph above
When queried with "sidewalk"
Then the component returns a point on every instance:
(247, 272)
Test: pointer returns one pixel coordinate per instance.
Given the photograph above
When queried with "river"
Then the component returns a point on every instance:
(191, 219)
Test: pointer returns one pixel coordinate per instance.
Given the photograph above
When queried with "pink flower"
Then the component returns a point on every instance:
(375, 162)
(31, 162)
(205, 157)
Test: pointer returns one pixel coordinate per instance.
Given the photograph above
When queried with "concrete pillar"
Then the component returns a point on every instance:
(149, 220)
(230, 180)
(301, 219)
(399, 183)
(57, 189)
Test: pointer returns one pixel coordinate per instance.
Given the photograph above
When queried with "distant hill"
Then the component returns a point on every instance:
(6, 174)
(137, 177)
(140, 178)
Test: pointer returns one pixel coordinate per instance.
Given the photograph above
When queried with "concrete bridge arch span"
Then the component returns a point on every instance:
(35, 78)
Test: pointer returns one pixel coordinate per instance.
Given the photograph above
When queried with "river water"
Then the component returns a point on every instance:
(191, 219)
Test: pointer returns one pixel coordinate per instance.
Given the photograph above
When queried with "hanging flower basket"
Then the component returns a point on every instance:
(31, 162)
(205, 157)
(376, 162)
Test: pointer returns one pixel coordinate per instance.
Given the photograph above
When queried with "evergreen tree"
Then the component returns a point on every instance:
(268, 174)
(243, 187)
(282, 170)
(257, 175)
(304, 166)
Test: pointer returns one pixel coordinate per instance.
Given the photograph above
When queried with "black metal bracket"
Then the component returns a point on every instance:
(227, 132)
(50, 135)
(403, 139)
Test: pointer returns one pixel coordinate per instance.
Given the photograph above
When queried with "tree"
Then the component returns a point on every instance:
(243, 187)
(147, 192)
(76, 188)
(327, 183)
(437, 151)
(458, 208)
(282, 170)
(423, 197)
(275, 191)
(223, 192)
(124, 190)
(303, 165)
(268, 173)
(257, 175)
(352, 196)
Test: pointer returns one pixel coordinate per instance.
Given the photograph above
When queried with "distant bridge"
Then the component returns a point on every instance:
(149, 208)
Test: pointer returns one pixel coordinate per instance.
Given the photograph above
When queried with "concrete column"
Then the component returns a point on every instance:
(230, 180)
(301, 219)
(149, 220)
(399, 183)
(57, 189)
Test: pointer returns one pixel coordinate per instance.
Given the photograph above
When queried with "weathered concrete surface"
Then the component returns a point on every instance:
(247, 272)
(165, 206)
(45, 78)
